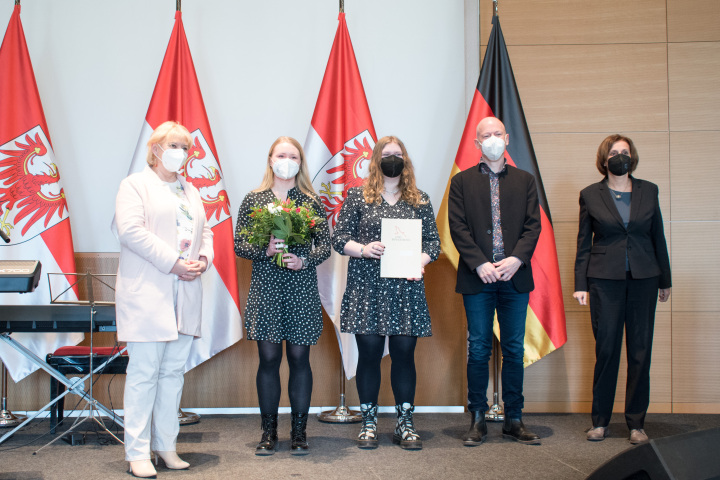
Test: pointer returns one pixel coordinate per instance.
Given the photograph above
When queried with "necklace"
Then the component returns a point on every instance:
(391, 192)
(617, 194)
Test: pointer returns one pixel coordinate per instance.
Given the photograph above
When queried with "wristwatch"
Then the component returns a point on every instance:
(304, 262)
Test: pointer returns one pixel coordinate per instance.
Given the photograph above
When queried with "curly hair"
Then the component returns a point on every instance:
(375, 184)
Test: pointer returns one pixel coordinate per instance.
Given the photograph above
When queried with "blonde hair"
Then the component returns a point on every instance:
(375, 183)
(302, 180)
(161, 133)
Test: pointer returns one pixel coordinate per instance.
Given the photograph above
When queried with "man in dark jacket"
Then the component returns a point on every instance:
(495, 225)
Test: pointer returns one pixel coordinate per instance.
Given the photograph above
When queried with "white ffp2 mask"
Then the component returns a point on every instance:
(493, 147)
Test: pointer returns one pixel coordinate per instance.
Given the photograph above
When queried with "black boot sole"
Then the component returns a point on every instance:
(367, 444)
(524, 442)
(264, 452)
(405, 445)
(474, 443)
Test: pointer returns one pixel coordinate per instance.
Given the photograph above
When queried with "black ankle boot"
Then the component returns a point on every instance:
(514, 429)
(478, 430)
(298, 437)
(269, 437)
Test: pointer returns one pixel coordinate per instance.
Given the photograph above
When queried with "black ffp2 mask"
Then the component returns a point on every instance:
(619, 165)
(392, 166)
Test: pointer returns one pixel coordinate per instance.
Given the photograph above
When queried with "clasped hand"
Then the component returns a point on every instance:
(277, 245)
(503, 270)
(189, 270)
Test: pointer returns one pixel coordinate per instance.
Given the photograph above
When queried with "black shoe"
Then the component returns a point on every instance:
(298, 437)
(515, 430)
(478, 430)
(269, 437)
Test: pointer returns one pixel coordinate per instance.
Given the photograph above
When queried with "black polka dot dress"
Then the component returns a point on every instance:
(375, 305)
(283, 304)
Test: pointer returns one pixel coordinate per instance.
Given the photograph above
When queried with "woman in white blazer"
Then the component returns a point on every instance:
(165, 245)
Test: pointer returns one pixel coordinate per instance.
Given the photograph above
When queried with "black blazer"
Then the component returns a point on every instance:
(603, 239)
(470, 219)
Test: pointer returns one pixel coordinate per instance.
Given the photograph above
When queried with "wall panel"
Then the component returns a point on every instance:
(695, 175)
(577, 21)
(592, 88)
(693, 72)
(693, 20)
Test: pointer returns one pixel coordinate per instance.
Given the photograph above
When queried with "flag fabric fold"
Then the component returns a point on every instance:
(338, 149)
(33, 208)
(177, 97)
(497, 95)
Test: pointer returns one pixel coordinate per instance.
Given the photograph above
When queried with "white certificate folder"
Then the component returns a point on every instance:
(403, 246)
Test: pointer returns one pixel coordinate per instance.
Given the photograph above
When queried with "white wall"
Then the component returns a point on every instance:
(260, 65)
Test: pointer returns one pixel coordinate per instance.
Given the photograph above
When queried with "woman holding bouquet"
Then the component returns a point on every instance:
(374, 307)
(283, 302)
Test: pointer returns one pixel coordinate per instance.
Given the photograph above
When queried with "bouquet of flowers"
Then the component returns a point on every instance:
(285, 221)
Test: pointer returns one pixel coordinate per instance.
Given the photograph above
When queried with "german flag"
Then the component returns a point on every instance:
(497, 96)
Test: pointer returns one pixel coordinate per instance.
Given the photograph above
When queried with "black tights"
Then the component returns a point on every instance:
(268, 376)
(402, 370)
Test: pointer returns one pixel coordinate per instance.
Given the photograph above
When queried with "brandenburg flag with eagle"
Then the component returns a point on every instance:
(338, 149)
(177, 97)
(497, 96)
(33, 209)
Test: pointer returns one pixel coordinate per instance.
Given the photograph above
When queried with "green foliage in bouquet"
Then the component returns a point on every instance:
(294, 225)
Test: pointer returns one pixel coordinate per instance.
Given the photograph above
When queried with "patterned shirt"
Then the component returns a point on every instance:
(184, 220)
(498, 246)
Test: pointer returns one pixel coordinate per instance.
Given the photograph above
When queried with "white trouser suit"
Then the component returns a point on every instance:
(157, 315)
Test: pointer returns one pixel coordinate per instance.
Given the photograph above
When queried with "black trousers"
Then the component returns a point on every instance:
(616, 305)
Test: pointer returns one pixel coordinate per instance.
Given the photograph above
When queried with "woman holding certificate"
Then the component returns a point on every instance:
(387, 217)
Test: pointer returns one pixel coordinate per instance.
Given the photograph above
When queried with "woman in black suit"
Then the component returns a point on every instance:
(622, 265)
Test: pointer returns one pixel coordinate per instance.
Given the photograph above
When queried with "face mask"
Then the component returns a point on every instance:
(392, 166)
(493, 147)
(619, 165)
(285, 168)
(173, 158)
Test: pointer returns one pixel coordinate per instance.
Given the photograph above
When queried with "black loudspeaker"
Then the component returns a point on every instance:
(690, 456)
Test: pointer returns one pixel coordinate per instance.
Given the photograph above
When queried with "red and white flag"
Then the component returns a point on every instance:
(177, 97)
(338, 149)
(33, 209)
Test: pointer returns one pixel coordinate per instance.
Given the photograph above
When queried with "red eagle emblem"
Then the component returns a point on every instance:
(354, 158)
(26, 182)
(215, 204)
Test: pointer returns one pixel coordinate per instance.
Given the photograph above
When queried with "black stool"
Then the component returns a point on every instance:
(76, 360)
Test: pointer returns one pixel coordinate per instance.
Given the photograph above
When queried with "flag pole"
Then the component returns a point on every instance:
(185, 418)
(7, 418)
(496, 412)
(341, 414)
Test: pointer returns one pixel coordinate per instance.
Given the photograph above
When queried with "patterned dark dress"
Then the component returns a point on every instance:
(283, 304)
(375, 305)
